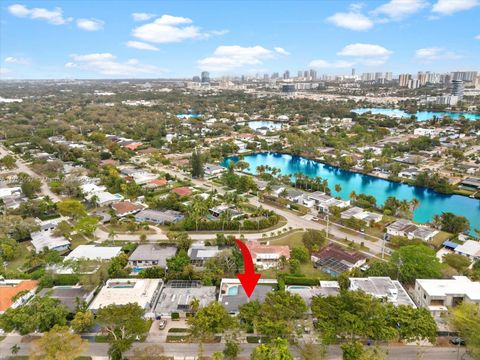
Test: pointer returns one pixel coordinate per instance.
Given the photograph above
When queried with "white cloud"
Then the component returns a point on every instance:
(477, 37)
(16, 60)
(141, 16)
(90, 24)
(364, 50)
(448, 7)
(323, 64)
(400, 9)
(106, 64)
(281, 51)
(172, 29)
(54, 16)
(141, 46)
(435, 53)
(225, 58)
(351, 20)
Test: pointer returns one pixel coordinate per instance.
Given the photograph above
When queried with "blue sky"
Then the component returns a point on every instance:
(152, 39)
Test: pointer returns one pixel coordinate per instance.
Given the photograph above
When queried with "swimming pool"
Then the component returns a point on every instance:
(297, 287)
(232, 290)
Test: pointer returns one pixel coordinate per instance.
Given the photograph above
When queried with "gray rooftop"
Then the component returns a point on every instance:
(238, 297)
(153, 252)
(67, 295)
(382, 287)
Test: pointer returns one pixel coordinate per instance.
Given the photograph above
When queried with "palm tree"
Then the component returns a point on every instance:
(338, 188)
(194, 305)
(414, 203)
(353, 195)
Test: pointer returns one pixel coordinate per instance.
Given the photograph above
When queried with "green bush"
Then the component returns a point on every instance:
(175, 316)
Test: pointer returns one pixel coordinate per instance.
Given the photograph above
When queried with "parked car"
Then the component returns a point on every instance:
(457, 341)
(162, 324)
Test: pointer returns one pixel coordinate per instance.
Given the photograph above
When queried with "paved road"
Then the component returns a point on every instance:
(23, 167)
(190, 350)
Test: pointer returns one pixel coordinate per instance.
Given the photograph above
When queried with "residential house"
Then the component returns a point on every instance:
(159, 217)
(382, 288)
(323, 202)
(46, 239)
(437, 295)
(125, 208)
(267, 256)
(406, 228)
(148, 255)
(199, 253)
(335, 259)
(69, 296)
(217, 211)
(93, 252)
(470, 249)
(14, 293)
(182, 191)
(213, 170)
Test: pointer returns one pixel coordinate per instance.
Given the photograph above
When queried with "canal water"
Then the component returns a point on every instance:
(431, 202)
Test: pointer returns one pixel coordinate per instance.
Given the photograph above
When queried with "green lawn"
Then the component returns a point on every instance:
(20, 260)
(438, 239)
(291, 239)
(78, 239)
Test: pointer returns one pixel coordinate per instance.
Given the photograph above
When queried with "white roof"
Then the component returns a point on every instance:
(458, 285)
(92, 252)
(91, 188)
(469, 247)
(105, 196)
(124, 291)
(42, 239)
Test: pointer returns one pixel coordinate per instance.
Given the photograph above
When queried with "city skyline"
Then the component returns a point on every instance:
(182, 39)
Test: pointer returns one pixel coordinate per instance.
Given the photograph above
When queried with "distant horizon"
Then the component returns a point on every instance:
(179, 39)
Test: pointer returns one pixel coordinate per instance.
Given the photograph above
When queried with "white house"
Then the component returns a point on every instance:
(470, 249)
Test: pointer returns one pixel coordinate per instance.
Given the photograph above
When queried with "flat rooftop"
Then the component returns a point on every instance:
(458, 285)
(123, 291)
(232, 295)
(67, 295)
(177, 296)
(383, 287)
(92, 252)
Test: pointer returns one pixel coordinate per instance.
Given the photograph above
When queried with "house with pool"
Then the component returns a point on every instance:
(143, 292)
(148, 255)
(324, 288)
(232, 295)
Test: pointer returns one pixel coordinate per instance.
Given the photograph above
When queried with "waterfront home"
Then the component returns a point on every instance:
(261, 185)
(267, 256)
(69, 296)
(324, 202)
(213, 170)
(148, 255)
(177, 296)
(125, 208)
(470, 249)
(277, 190)
(199, 253)
(437, 295)
(93, 252)
(335, 259)
(143, 292)
(471, 183)
(410, 173)
(382, 288)
(232, 295)
(406, 228)
(42, 240)
(159, 217)
(470, 169)
(295, 195)
(14, 293)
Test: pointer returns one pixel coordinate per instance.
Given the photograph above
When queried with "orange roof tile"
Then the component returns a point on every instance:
(7, 292)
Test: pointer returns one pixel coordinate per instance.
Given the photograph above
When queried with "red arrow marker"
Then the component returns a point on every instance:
(249, 279)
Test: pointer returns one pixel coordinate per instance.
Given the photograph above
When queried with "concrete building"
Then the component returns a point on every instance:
(383, 288)
(177, 297)
(149, 255)
(437, 295)
(144, 292)
(457, 89)
(159, 217)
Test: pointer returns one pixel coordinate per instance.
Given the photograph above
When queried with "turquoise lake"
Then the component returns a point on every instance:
(421, 115)
(431, 202)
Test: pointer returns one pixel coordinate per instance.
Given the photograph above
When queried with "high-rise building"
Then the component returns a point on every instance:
(265, 76)
(465, 76)
(299, 73)
(305, 74)
(196, 79)
(403, 80)
(313, 75)
(413, 84)
(353, 71)
(388, 76)
(286, 74)
(378, 76)
(275, 75)
(457, 89)
(205, 77)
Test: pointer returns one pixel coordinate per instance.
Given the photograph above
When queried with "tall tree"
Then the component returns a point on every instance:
(465, 318)
(196, 162)
(123, 324)
(275, 350)
(58, 344)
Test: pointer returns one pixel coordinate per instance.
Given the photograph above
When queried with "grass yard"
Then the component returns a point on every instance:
(438, 239)
(292, 239)
(78, 239)
(20, 260)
